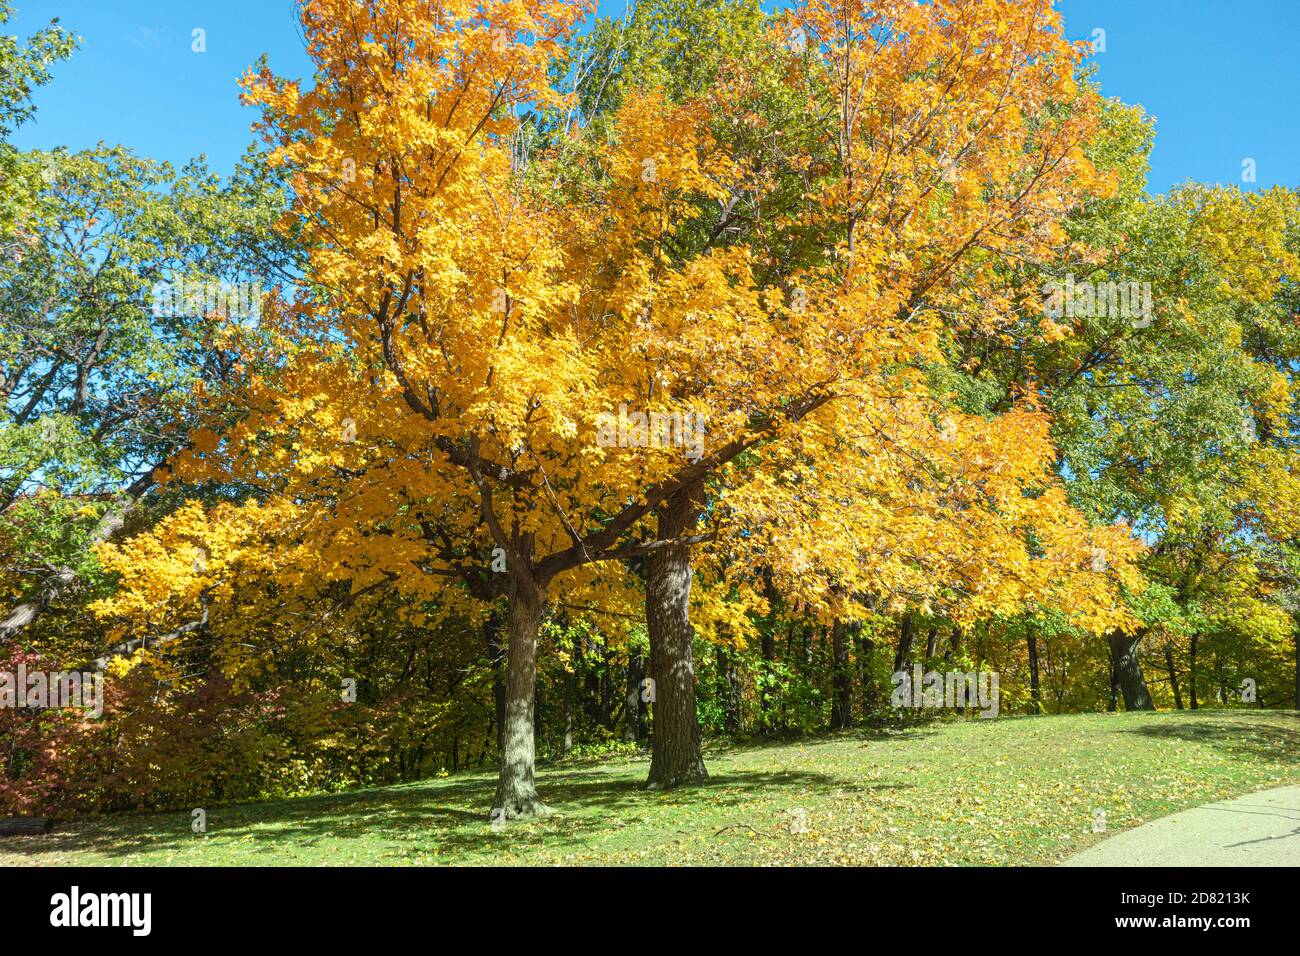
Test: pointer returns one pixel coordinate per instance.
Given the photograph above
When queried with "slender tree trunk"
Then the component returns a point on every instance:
(607, 705)
(634, 721)
(631, 697)
(841, 679)
(768, 650)
(1224, 694)
(1035, 694)
(931, 644)
(1128, 672)
(516, 792)
(866, 675)
(1173, 676)
(904, 652)
(676, 758)
(729, 691)
(570, 680)
(1192, 648)
(590, 682)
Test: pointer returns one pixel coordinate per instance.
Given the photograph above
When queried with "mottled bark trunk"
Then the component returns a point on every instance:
(1192, 648)
(1128, 672)
(516, 791)
(676, 758)
(1035, 692)
(841, 678)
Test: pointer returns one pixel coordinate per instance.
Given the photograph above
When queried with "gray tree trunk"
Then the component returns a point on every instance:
(676, 758)
(516, 792)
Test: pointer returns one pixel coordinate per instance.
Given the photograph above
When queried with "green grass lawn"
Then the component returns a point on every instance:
(1006, 791)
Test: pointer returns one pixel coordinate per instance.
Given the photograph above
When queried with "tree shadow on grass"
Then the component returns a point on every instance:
(1275, 740)
(450, 817)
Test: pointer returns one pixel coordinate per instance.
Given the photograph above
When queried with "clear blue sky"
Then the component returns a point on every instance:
(1222, 77)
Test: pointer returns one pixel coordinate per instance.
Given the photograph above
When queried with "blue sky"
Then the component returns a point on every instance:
(1222, 77)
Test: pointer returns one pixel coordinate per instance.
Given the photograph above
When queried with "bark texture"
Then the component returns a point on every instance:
(1127, 672)
(516, 791)
(676, 757)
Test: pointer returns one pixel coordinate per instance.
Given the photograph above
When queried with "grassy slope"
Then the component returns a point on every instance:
(1006, 791)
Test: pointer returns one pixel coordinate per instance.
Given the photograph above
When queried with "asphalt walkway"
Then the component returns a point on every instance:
(1259, 829)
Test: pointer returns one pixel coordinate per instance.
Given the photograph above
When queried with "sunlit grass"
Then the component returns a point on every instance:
(1004, 791)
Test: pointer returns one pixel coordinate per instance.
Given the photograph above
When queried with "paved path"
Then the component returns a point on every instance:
(1259, 829)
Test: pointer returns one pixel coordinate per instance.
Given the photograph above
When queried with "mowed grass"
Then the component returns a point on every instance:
(1006, 791)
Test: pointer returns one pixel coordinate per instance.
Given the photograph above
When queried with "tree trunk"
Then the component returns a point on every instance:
(516, 792)
(866, 677)
(676, 758)
(931, 644)
(570, 679)
(768, 650)
(841, 679)
(1128, 672)
(1193, 703)
(1173, 676)
(634, 707)
(729, 691)
(954, 646)
(606, 689)
(904, 644)
(1035, 694)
